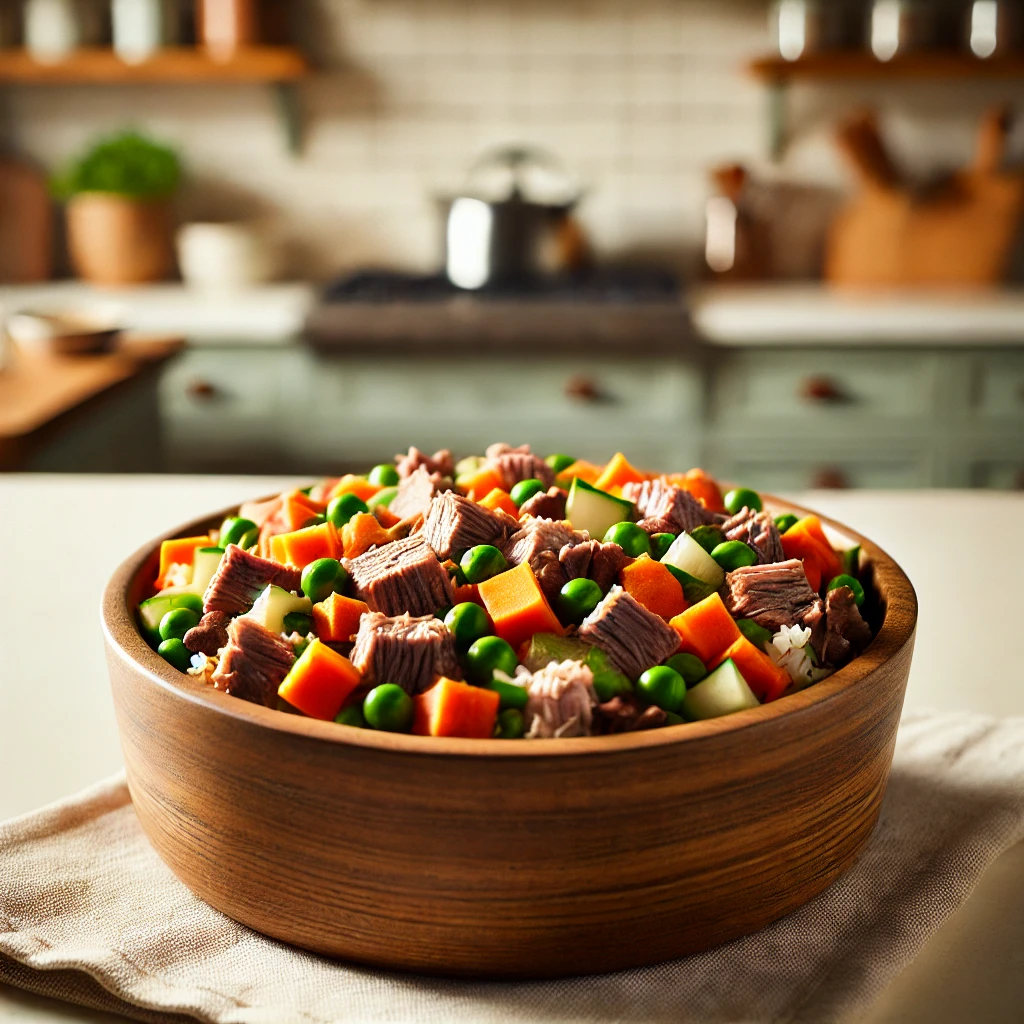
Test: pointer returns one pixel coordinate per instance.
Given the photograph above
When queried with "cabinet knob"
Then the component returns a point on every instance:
(583, 389)
(201, 389)
(820, 389)
(830, 478)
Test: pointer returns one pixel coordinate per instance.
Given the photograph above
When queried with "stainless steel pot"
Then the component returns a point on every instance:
(514, 221)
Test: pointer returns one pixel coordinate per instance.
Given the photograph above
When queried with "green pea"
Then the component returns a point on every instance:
(630, 537)
(468, 623)
(734, 554)
(234, 529)
(249, 538)
(483, 562)
(559, 461)
(389, 708)
(384, 475)
(322, 578)
(511, 725)
(689, 666)
(512, 696)
(609, 683)
(487, 655)
(298, 622)
(384, 497)
(709, 537)
(757, 635)
(577, 599)
(660, 543)
(352, 715)
(177, 622)
(839, 581)
(662, 686)
(175, 653)
(525, 490)
(344, 507)
(741, 497)
(783, 523)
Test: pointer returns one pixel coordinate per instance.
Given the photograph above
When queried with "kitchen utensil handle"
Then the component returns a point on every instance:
(859, 139)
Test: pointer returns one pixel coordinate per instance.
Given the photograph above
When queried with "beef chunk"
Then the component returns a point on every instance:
(658, 524)
(548, 504)
(515, 464)
(618, 715)
(410, 652)
(599, 562)
(416, 491)
(403, 576)
(773, 596)
(633, 638)
(253, 664)
(846, 632)
(758, 530)
(241, 578)
(561, 701)
(440, 463)
(536, 535)
(454, 523)
(549, 572)
(656, 499)
(210, 635)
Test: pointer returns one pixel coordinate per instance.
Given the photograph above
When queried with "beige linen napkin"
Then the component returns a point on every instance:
(88, 913)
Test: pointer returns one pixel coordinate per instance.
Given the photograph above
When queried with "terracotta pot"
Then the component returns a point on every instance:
(116, 240)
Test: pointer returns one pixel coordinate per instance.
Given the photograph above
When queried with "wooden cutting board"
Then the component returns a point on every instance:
(26, 223)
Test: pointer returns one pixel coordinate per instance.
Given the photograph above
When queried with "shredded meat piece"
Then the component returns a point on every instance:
(774, 596)
(549, 572)
(209, 635)
(536, 535)
(758, 530)
(253, 664)
(416, 491)
(453, 524)
(548, 504)
(846, 632)
(440, 463)
(561, 701)
(656, 499)
(593, 560)
(618, 715)
(403, 576)
(410, 652)
(516, 464)
(241, 578)
(633, 638)
(658, 524)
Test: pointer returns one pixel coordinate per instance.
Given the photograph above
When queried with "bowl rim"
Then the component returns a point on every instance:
(124, 639)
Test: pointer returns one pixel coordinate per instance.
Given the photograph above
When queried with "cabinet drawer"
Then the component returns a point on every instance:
(999, 387)
(841, 387)
(532, 391)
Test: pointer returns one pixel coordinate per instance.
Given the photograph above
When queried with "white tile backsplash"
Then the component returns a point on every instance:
(638, 97)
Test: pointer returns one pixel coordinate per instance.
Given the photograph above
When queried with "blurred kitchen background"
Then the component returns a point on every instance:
(779, 240)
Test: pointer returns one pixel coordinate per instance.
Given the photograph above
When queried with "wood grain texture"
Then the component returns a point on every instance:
(508, 859)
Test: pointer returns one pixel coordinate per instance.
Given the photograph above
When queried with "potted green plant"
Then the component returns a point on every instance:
(119, 217)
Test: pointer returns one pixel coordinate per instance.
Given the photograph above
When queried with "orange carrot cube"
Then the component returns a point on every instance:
(179, 551)
(336, 618)
(588, 472)
(479, 484)
(497, 498)
(319, 682)
(451, 708)
(768, 680)
(701, 486)
(706, 628)
(385, 516)
(651, 583)
(617, 473)
(361, 533)
(357, 485)
(517, 606)
(806, 540)
(307, 545)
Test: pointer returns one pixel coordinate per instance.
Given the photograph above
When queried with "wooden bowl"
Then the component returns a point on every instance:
(508, 859)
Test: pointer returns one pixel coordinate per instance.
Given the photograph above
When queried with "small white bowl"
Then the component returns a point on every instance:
(63, 332)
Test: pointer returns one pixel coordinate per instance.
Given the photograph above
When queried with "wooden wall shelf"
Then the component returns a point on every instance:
(174, 65)
(857, 64)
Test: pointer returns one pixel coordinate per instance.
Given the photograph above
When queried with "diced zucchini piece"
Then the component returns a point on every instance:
(204, 565)
(469, 465)
(274, 604)
(686, 554)
(152, 610)
(547, 647)
(721, 693)
(851, 560)
(694, 590)
(595, 511)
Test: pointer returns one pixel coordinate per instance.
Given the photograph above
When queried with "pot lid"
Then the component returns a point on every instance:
(525, 175)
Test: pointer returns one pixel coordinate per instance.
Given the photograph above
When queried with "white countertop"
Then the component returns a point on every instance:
(811, 314)
(63, 535)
